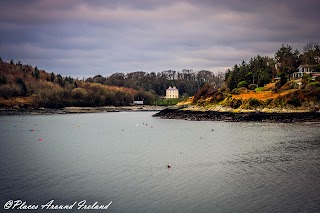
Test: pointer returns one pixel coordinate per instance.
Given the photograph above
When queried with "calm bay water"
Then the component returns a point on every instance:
(123, 158)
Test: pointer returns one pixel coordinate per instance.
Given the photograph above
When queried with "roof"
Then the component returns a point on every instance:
(308, 65)
(170, 88)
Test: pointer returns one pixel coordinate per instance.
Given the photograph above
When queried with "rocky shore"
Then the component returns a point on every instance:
(288, 117)
(69, 110)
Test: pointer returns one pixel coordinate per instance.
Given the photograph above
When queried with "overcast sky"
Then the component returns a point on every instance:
(85, 38)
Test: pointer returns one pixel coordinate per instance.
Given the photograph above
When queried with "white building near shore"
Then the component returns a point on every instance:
(172, 92)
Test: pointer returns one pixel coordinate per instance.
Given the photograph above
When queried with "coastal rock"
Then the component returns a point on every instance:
(288, 117)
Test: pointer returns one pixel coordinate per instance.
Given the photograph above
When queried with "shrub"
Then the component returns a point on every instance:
(236, 103)
(295, 101)
(79, 93)
(307, 77)
(259, 89)
(218, 96)
(254, 102)
(268, 101)
(240, 90)
(252, 86)
(242, 84)
(224, 88)
(9, 90)
(276, 87)
(235, 91)
(313, 85)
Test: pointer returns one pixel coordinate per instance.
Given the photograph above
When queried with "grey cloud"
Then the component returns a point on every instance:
(89, 37)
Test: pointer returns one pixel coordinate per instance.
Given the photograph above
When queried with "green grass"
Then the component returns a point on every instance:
(168, 101)
(317, 83)
(258, 89)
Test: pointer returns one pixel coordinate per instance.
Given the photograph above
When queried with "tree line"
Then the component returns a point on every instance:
(187, 81)
(42, 89)
(260, 70)
(37, 88)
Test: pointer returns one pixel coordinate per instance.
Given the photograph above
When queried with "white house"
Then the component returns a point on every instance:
(172, 92)
(305, 69)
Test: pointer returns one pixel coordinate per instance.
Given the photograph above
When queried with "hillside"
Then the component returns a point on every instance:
(25, 86)
(295, 95)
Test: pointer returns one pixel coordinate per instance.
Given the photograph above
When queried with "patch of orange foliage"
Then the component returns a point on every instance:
(264, 95)
(124, 89)
(14, 101)
(269, 86)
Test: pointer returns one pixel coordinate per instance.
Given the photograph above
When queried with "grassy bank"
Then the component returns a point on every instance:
(294, 96)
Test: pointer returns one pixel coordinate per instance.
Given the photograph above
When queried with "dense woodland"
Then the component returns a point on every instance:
(260, 70)
(187, 81)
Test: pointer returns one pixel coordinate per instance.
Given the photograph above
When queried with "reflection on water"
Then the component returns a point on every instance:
(123, 158)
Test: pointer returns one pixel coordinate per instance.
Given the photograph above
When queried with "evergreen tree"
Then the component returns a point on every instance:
(311, 54)
(288, 59)
(36, 73)
(60, 80)
(52, 77)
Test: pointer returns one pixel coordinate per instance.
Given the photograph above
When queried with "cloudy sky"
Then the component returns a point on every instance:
(83, 38)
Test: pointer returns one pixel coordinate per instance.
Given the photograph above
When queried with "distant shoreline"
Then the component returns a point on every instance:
(182, 114)
(73, 110)
(209, 115)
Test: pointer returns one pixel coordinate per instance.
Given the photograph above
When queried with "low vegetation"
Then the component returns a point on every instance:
(168, 101)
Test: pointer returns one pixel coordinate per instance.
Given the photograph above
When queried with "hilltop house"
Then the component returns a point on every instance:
(306, 69)
(172, 92)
